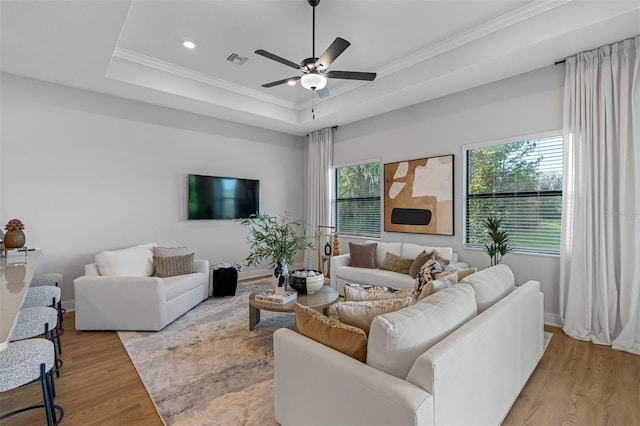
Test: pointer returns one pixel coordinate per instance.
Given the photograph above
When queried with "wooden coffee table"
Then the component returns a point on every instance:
(322, 298)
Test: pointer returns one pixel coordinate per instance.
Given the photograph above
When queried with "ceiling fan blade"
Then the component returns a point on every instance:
(338, 46)
(352, 75)
(277, 58)
(279, 82)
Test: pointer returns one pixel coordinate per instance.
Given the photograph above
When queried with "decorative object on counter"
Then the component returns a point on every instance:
(14, 237)
(336, 244)
(306, 281)
(277, 239)
(499, 245)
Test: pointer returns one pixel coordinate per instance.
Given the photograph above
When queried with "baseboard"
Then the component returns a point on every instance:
(554, 320)
(69, 305)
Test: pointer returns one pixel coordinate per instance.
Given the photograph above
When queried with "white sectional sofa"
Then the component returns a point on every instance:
(122, 295)
(458, 357)
(341, 273)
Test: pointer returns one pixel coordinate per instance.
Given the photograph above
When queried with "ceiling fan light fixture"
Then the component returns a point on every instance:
(313, 81)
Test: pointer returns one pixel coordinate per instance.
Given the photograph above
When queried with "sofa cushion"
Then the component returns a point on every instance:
(362, 255)
(411, 250)
(417, 263)
(360, 314)
(360, 292)
(173, 265)
(383, 248)
(376, 277)
(396, 339)
(179, 284)
(490, 285)
(344, 338)
(133, 261)
(162, 251)
(396, 264)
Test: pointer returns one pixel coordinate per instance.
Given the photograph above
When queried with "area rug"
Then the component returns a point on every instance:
(207, 367)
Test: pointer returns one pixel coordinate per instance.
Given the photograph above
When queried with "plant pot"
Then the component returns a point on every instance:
(14, 239)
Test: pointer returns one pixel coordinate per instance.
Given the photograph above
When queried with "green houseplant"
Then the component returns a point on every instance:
(277, 239)
(499, 245)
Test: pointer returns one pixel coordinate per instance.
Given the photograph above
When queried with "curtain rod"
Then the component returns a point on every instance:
(334, 127)
(588, 50)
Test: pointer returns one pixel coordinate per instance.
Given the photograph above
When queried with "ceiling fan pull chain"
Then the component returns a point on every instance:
(313, 105)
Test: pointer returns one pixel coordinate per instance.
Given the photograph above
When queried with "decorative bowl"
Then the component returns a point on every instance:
(306, 281)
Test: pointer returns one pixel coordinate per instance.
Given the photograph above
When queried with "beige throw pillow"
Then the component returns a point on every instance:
(442, 281)
(417, 263)
(355, 292)
(360, 314)
(173, 265)
(344, 338)
(362, 255)
(396, 263)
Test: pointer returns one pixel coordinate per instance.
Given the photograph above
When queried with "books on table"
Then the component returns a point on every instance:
(281, 299)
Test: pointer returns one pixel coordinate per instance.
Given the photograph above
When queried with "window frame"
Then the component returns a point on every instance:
(334, 197)
(465, 196)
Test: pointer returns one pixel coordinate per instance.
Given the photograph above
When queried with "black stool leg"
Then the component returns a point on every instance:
(48, 401)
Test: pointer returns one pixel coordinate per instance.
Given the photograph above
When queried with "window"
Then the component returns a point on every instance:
(520, 183)
(357, 195)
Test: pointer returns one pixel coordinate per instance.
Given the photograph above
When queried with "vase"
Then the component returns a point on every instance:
(14, 239)
(280, 277)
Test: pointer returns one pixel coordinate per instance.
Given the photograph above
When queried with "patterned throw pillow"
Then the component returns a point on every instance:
(396, 263)
(443, 280)
(173, 265)
(417, 263)
(427, 273)
(360, 292)
(345, 338)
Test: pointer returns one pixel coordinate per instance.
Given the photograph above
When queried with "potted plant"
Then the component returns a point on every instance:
(499, 245)
(277, 239)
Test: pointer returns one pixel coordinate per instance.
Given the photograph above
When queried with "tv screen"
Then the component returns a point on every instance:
(215, 197)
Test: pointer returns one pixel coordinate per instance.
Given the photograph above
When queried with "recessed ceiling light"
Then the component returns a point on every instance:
(189, 44)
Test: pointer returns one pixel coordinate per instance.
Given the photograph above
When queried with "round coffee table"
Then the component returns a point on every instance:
(322, 298)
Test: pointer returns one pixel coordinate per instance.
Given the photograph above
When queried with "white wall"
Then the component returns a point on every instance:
(526, 104)
(87, 172)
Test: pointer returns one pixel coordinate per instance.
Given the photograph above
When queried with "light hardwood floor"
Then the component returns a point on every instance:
(576, 383)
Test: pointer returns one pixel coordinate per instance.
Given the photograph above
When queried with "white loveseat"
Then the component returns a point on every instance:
(124, 295)
(341, 273)
(472, 370)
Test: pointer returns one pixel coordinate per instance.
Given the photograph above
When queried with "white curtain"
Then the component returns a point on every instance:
(600, 253)
(320, 161)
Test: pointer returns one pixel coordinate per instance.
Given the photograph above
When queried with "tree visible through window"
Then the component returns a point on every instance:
(521, 183)
(357, 194)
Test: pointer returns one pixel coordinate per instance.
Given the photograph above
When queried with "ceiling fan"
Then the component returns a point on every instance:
(314, 70)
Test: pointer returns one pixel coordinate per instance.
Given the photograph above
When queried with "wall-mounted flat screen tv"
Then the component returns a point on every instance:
(216, 197)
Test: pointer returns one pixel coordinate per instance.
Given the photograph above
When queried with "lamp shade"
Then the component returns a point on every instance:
(313, 81)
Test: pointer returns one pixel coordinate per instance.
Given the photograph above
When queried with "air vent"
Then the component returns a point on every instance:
(237, 59)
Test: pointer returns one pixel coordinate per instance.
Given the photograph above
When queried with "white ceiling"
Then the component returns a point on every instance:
(420, 49)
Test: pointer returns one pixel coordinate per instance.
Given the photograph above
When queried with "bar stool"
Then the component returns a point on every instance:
(44, 296)
(50, 279)
(38, 321)
(27, 361)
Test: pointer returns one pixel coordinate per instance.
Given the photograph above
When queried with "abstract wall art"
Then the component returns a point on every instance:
(418, 196)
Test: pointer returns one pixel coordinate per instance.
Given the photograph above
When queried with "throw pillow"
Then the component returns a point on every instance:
(441, 260)
(161, 251)
(396, 263)
(133, 261)
(360, 314)
(442, 280)
(358, 292)
(344, 338)
(173, 265)
(362, 255)
(427, 272)
(463, 273)
(417, 263)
